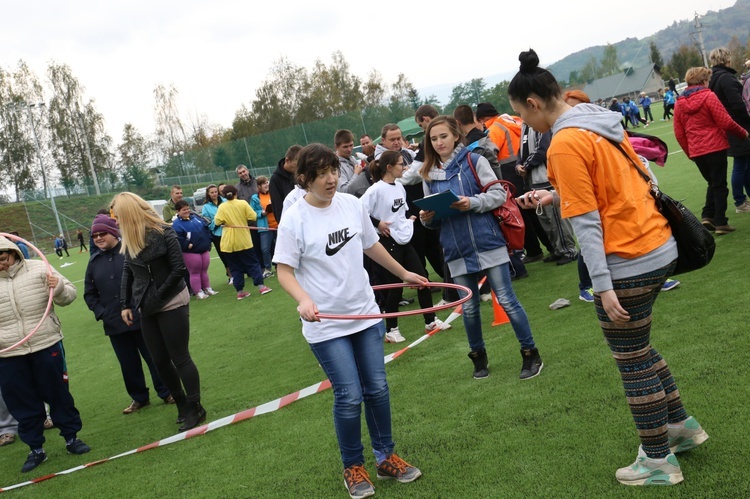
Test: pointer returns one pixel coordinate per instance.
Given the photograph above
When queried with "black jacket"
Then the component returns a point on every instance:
(102, 291)
(728, 89)
(155, 276)
(282, 183)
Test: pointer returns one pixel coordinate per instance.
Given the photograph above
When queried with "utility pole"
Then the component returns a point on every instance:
(701, 46)
(88, 153)
(41, 163)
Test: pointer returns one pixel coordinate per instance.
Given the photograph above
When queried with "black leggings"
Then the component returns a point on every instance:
(167, 335)
(408, 258)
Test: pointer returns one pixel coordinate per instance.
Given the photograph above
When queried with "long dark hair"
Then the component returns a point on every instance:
(219, 199)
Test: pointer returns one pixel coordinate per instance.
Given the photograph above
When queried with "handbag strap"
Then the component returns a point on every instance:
(484, 188)
(645, 175)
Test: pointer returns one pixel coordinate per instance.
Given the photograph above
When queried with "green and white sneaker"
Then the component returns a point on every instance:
(649, 471)
(685, 435)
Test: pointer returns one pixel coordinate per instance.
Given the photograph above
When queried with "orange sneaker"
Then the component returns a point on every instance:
(397, 468)
(357, 482)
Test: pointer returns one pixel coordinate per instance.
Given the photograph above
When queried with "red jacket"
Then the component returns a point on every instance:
(701, 123)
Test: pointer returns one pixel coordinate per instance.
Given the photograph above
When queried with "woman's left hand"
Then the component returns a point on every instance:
(463, 204)
(612, 306)
(52, 281)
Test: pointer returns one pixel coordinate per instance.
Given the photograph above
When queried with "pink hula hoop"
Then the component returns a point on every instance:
(408, 312)
(49, 300)
(247, 227)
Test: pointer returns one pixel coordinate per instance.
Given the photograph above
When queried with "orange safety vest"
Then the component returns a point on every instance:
(507, 136)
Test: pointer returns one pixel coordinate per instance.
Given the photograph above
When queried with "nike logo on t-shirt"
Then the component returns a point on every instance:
(338, 239)
(397, 204)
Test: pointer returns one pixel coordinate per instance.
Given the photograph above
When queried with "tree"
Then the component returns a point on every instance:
(498, 95)
(133, 158)
(684, 58)
(17, 153)
(655, 54)
(74, 126)
(609, 63)
(401, 98)
(469, 93)
(170, 133)
(373, 90)
(737, 55)
(590, 70)
(574, 78)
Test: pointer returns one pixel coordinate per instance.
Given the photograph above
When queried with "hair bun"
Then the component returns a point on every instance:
(529, 61)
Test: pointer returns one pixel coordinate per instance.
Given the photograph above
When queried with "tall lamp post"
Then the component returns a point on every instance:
(180, 155)
(41, 162)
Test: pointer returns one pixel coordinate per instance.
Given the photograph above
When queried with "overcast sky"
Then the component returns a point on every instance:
(217, 52)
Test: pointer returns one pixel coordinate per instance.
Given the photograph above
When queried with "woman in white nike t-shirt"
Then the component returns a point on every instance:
(385, 202)
(319, 256)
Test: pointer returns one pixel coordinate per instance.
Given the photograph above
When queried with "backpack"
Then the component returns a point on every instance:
(508, 214)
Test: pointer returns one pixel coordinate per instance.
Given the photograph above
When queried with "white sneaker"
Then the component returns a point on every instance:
(685, 435)
(394, 336)
(650, 471)
(231, 281)
(211, 292)
(436, 324)
(442, 303)
(486, 297)
(201, 295)
(743, 208)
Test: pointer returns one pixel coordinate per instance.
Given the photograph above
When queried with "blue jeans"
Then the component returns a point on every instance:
(354, 365)
(266, 241)
(740, 179)
(499, 279)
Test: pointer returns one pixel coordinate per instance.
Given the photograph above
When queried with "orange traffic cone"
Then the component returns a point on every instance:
(499, 315)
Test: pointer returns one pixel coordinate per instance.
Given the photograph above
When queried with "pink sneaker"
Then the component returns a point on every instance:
(242, 295)
(264, 290)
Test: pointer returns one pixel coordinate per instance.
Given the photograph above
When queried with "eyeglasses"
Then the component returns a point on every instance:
(99, 234)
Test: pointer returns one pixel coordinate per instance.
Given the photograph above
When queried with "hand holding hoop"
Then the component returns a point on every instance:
(50, 275)
(408, 312)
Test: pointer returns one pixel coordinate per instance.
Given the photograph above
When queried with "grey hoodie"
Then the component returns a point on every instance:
(604, 268)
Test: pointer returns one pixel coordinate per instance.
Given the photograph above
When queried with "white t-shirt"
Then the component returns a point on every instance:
(295, 195)
(387, 202)
(324, 247)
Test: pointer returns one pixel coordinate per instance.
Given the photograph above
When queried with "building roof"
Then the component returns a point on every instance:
(628, 81)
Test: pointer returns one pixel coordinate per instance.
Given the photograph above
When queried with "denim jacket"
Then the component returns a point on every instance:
(472, 240)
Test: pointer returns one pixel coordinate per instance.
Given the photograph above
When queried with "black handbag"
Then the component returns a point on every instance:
(695, 244)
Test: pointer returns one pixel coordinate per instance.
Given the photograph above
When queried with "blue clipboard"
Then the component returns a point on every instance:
(440, 203)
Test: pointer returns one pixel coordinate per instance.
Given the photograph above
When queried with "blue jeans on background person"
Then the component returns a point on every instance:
(499, 279)
(266, 241)
(740, 179)
(354, 364)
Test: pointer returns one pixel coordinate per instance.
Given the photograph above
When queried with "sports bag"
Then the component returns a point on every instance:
(508, 214)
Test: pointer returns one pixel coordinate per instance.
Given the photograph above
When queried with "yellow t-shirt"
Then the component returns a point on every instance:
(589, 173)
(235, 212)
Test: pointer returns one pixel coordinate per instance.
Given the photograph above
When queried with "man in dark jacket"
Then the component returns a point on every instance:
(102, 295)
(728, 89)
(282, 180)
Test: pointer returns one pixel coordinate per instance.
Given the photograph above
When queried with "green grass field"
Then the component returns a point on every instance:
(562, 434)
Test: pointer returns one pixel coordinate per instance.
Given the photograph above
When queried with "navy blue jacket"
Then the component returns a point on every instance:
(194, 231)
(102, 290)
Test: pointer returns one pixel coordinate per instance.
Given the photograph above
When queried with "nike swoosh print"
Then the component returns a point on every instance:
(332, 250)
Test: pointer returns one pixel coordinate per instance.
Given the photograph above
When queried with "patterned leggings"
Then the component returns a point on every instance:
(650, 390)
